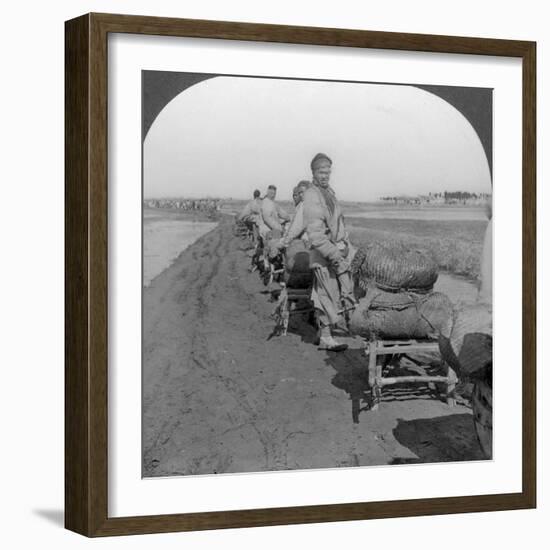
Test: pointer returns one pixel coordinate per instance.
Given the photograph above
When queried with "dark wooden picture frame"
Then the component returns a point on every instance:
(86, 294)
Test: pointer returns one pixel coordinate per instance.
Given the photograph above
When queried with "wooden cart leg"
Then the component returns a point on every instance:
(286, 316)
(452, 379)
(372, 376)
(355, 407)
(377, 386)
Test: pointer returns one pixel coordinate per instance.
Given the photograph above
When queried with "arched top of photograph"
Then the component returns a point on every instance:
(225, 134)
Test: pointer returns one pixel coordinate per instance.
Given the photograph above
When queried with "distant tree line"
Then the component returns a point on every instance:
(463, 195)
(444, 197)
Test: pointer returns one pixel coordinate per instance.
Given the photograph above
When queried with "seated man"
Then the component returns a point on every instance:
(251, 213)
(296, 229)
(273, 216)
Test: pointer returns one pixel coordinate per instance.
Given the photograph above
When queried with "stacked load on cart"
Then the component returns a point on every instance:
(396, 299)
(468, 348)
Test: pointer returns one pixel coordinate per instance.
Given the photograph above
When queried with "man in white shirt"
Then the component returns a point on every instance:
(273, 215)
(252, 210)
(486, 263)
(296, 229)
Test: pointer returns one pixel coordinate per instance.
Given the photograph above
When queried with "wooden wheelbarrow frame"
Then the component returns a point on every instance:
(378, 348)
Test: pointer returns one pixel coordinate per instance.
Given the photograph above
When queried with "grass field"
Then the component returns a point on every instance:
(455, 245)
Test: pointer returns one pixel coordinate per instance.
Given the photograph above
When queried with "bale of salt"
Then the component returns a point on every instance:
(393, 266)
(391, 315)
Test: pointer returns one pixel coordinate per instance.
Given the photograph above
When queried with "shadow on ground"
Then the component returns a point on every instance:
(57, 517)
(302, 325)
(442, 439)
(352, 377)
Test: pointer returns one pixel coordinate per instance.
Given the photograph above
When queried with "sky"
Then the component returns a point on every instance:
(227, 136)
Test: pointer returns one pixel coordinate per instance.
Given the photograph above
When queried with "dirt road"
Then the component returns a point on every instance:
(220, 395)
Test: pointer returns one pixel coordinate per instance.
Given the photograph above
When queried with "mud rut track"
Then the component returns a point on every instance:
(219, 397)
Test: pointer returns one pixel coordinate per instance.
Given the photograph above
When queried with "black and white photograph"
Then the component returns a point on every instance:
(317, 274)
(260, 259)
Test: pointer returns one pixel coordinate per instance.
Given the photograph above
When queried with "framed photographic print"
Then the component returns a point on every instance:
(287, 252)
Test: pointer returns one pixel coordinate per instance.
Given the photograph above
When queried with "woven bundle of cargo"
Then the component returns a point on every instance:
(468, 348)
(396, 299)
(468, 345)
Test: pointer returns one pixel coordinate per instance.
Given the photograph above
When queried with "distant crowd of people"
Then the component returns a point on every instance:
(201, 205)
(319, 222)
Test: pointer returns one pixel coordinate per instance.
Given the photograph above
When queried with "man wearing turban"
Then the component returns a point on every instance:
(332, 283)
